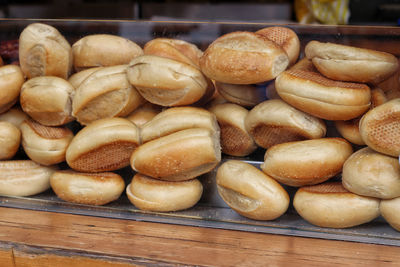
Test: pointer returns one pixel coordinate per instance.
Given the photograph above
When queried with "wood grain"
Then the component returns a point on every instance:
(142, 243)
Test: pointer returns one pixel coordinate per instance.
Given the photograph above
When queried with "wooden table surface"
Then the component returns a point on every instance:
(36, 238)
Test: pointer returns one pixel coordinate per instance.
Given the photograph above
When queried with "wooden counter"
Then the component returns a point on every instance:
(36, 238)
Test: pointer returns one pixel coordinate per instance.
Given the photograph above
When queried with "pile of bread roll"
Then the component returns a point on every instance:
(170, 111)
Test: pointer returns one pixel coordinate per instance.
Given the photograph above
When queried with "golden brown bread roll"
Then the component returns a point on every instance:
(349, 130)
(273, 122)
(151, 194)
(324, 98)
(246, 95)
(390, 210)
(103, 50)
(43, 51)
(243, 58)
(45, 145)
(14, 115)
(378, 97)
(47, 100)
(178, 156)
(331, 205)
(77, 78)
(353, 64)
(10, 139)
(11, 80)
(235, 140)
(392, 83)
(143, 114)
(306, 162)
(105, 93)
(250, 192)
(87, 188)
(103, 145)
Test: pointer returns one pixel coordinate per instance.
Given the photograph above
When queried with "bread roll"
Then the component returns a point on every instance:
(322, 97)
(87, 188)
(235, 140)
(392, 83)
(151, 194)
(349, 130)
(353, 64)
(285, 38)
(11, 80)
(166, 82)
(331, 205)
(104, 145)
(47, 100)
(103, 50)
(306, 162)
(10, 139)
(250, 192)
(242, 94)
(106, 93)
(380, 128)
(143, 114)
(243, 58)
(77, 78)
(273, 122)
(14, 115)
(390, 210)
(372, 174)
(178, 156)
(43, 51)
(45, 145)
(378, 97)
(24, 178)
(176, 119)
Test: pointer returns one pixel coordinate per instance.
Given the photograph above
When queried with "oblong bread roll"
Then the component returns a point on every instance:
(10, 139)
(246, 95)
(15, 116)
(143, 114)
(11, 80)
(390, 211)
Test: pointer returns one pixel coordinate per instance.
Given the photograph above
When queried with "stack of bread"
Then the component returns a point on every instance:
(168, 110)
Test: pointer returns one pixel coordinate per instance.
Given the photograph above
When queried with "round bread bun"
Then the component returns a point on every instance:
(306, 162)
(143, 114)
(176, 119)
(151, 194)
(380, 128)
(331, 205)
(235, 140)
(87, 188)
(179, 156)
(349, 130)
(77, 78)
(324, 98)
(10, 139)
(14, 115)
(43, 51)
(246, 95)
(285, 38)
(353, 64)
(103, 145)
(390, 211)
(24, 178)
(372, 174)
(103, 50)
(274, 122)
(105, 93)
(243, 58)
(45, 145)
(47, 100)
(11, 80)
(250, 192)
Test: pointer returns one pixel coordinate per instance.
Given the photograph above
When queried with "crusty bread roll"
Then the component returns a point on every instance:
(103, 50)
(273, 122)
(176, 119)
(143, 114)
(11, 80)
(306, 162)
(24, 178)
(10, 139)
(324, 98)
(250, 192)
(246, 95)
(243, 58)
(105, 93)
(380, 128)
(331, 205)
(285, 38)
(369, 173)
(178, 156)
(353, 64)
(235, 140)
(390, 210)
(77, 78)
(14, 115)
(47, 100)
(349, 130)
(43, 51)
(45, 145)
(151, 194)
(87, 188)
(165, 81)
(103, 145)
